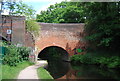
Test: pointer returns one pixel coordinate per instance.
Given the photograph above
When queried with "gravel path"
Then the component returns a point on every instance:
(31, 71)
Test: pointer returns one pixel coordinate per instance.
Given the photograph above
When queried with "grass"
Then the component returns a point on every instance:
(44, 74)
(0, 71)
(11, 72)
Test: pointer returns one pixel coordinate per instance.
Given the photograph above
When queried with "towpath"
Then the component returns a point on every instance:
(30, 72)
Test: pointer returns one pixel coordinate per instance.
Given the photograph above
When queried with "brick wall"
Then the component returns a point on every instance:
(66, 36)
(17, 25)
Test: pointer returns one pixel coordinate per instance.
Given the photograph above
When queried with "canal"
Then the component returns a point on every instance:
(62, 70)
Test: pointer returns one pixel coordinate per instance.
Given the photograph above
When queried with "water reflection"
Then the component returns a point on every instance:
(63, 70)
(58, 68)
(95, 72)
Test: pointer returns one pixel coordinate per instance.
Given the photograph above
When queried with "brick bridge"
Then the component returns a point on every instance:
(66, 36)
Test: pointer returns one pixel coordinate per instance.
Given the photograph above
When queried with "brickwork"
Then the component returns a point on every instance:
(29, 40)
(66, 36)
(17, 25)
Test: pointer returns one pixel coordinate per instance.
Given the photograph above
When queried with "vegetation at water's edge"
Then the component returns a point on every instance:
(44, 74)
(109, 61)
(82, 71)
(11, 72)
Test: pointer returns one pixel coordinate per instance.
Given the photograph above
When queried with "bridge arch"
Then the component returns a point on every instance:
(67, 36)
(55, 52)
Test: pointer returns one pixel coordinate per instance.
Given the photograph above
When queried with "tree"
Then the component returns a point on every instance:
(64, 12)
(21, 9)
(7, 5)
(17, 8)
(33, 27)
(102, 24)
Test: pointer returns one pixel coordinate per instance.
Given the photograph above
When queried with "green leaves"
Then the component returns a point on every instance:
(79, 50)
(105, 41)
(33, 27)
(110, 62)
(21, 9)
(102, 24)
(64, 12)
(14, 55)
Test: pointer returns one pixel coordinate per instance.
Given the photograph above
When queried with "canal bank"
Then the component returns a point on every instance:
(35, 71)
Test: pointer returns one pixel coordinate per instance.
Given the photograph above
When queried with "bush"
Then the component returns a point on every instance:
(14, 55)
(110, 62)
(24, 52)
(114, 61)
(11, 56)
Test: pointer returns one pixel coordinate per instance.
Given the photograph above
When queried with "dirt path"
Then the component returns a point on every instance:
(31, 71)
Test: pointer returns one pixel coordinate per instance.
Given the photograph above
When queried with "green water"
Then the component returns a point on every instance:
(64, 70)
(60, 69)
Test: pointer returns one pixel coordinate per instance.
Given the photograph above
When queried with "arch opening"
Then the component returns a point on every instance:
(55, 56)
(53, 53)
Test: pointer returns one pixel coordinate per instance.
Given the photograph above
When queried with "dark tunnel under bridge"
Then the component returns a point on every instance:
(54, 53)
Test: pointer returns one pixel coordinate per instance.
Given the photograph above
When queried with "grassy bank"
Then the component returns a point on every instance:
(98, 58)
(44, 74)
(11, 72)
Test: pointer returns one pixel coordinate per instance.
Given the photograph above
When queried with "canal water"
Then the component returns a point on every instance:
(61, 70)
(64, 70)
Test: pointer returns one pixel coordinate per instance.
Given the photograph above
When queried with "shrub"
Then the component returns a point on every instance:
(114, 61)
(11, 56)
(110, 62)
(24, 52)
(14, 55)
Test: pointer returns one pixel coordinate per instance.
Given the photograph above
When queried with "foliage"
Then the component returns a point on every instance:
(7, 5)
(82, 71)
(11, 56)
(110, 62)
(101, 21)
(18, 8)
(64, 12)
(102, 25)
(22, 9)
(24, 52)
(14, 55)
(79, 50)
(33, 27)
(11, 72)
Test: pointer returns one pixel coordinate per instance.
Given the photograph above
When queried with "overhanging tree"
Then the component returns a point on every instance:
(103, 24)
